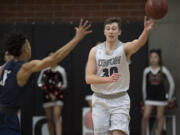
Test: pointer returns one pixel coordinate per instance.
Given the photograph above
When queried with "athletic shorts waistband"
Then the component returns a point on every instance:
(111, 95)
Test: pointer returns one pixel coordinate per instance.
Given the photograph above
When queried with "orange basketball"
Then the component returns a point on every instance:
(156, 9)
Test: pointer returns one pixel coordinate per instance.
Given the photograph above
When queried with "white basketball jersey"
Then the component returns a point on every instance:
(107, 64)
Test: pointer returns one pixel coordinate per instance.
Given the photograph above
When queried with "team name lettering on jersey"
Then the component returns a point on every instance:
(106, 63)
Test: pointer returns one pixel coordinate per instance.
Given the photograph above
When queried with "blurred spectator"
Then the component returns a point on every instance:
(155, 91)
(52, 81)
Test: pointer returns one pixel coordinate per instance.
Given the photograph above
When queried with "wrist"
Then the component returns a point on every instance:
(146, 31)
(76, 38)
(107, 79)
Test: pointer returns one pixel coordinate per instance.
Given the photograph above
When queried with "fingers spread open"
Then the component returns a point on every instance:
(85, 24)
(89, 31)
(88, 26)
(76, 28)
(81, 22)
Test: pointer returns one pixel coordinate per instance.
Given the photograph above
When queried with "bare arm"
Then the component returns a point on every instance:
(37, 65)
(134, 46)
(91, 77)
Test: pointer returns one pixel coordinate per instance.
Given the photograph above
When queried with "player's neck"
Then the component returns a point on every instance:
(111, 45)
(53, 67)
(155, 66)
(20, 58)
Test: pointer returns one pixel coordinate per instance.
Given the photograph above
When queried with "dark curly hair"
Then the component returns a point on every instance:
(13, 42)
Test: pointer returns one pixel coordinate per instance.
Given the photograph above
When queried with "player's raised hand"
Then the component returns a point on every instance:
(114, 77)
(148, 23)
(83, 29)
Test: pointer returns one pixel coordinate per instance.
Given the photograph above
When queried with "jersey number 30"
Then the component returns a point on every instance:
(109, 72)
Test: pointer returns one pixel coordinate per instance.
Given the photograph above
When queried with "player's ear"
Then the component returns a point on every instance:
(104, 32)
(120, 32)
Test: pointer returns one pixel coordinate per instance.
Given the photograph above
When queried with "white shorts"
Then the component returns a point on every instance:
(156, 103)
(52, 104)
(110, 114)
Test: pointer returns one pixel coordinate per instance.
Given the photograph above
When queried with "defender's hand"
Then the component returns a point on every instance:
(83, 29)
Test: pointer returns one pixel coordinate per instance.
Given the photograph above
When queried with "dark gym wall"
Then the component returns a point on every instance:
(49, 37)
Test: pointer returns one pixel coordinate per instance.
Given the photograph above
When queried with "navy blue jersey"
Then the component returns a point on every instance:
(10, 92)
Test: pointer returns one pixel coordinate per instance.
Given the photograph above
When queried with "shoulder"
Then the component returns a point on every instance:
(19, 64)
(121, 43)
(121, 46)
(165, 70)
(29, 64)
(60, 68)
(146, 70)
(93, 51)
(100, 46)
(91, 57)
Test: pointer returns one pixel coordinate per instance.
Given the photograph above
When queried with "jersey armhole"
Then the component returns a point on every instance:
(127, 59)
(19, 66)
(96, 54)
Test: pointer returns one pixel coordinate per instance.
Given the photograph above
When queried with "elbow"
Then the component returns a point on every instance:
(87, 80)
(51, 61)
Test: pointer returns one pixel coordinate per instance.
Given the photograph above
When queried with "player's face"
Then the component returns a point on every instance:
(7, 57)
(112, 32)
(154, 59)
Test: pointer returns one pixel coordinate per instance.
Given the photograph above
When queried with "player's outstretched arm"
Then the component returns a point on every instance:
(59, 55)
(37, 65)
(91, 77)
(134, 46)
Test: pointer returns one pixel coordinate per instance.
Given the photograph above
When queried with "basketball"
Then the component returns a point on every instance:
(156, 9)
(88, 120)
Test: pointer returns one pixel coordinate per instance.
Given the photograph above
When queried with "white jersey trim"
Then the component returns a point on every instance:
(58, 68)
(52, 104)
(156, 103)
